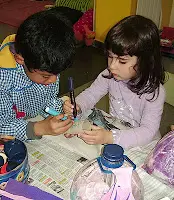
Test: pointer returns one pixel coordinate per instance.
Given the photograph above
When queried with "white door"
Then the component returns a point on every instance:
(150, 9)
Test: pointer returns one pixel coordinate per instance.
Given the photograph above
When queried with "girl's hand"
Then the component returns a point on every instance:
(52, 126)
(68, 107)
(98, 135)
(67, 135)
(172, 127)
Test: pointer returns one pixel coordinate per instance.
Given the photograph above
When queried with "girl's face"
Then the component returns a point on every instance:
(122, 67)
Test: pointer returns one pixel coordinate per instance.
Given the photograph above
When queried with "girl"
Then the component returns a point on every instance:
(133, 79)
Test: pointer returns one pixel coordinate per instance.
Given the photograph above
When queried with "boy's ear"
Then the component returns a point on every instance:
(172, 127)
(19, 59)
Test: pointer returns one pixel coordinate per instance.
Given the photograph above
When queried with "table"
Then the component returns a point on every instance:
(55, 160)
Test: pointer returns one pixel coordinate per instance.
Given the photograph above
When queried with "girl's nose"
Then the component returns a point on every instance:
(114, 64)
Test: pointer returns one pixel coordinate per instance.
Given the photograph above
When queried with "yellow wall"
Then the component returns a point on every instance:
(171, 24)
(166, 11)
(133, 7)
(108, 12)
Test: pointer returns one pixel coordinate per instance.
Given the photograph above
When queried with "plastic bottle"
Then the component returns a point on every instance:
(96, 179)
(79, 126)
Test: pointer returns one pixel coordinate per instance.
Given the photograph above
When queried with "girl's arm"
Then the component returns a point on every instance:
(99, 88)
(148, 128)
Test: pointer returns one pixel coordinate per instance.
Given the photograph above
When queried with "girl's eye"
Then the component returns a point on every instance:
(46, 77)
(122, 62)
(109, 56)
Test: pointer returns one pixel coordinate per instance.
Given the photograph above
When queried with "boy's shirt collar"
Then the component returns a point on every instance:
(6, 56)
(8, 62)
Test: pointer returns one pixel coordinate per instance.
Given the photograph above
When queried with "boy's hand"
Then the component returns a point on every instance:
(98, 135)
(68, 107)
(6, 138)
(52, 126)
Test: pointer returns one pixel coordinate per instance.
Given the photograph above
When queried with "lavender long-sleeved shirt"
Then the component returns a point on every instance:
(143, 115)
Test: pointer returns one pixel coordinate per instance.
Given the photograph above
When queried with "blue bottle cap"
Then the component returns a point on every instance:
(113, 152)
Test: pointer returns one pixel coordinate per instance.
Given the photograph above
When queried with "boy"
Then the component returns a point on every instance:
(30, 63)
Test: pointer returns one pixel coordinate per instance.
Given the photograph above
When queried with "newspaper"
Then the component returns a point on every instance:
(54, 161)
(52, 167)
(154, 189)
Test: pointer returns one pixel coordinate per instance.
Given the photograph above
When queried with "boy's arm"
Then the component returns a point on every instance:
(148, 128)
(99, 88)
(53, 101)
(9, 124)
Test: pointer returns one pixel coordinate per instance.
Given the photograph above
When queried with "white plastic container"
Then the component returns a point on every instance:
(79, 126)
(95, 179)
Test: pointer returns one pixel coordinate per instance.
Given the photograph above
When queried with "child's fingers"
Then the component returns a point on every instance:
(87, 136)
(77, 107)
(88, 140)
(67, 135)
(89, 133)
(93, 127)
(68, 111)
(68, 104)
(61, 123)
(65, 98)
(62, 129)
(58, 117)
(6, 138)
(68, 107)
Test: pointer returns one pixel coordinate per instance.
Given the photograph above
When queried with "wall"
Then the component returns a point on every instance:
(133, 7)
(150, 9)
(171, 24)
(166, 12)
(108, 12)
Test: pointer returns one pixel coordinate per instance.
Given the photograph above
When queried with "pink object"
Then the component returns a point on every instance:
(90, 184)
(121, 190)
(19, 191)
(167, 33)
(160, 162)
(18, 114)
(86, 19)
(83, 28)
(12, 196)
(4, 169)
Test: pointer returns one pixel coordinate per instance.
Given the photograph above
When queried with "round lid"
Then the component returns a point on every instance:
(113, 152)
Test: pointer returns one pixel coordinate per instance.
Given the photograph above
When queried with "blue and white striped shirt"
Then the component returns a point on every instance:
(16, 89)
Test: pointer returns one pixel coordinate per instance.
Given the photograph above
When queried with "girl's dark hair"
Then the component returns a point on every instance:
(139, 36)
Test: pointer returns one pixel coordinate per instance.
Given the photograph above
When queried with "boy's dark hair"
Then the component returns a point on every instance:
(139, 36)
(46, 42)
